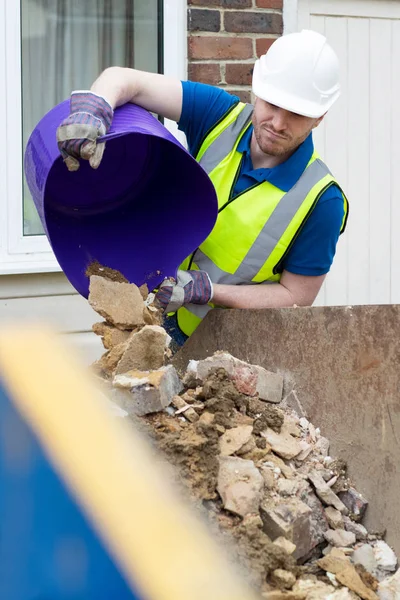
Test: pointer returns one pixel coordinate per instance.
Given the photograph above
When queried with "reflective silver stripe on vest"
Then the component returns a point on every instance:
(224, 143)
(271, 233)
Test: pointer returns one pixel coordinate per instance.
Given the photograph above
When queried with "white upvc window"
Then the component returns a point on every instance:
(47, 49)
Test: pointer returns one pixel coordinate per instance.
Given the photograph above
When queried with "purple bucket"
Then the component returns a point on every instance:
(142, 212)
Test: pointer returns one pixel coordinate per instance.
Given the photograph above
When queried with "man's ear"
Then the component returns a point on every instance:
(318, 121)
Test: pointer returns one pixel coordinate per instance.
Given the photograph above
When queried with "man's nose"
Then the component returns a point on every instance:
(279, 120)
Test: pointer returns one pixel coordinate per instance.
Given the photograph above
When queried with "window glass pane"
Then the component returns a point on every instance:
(67, 43)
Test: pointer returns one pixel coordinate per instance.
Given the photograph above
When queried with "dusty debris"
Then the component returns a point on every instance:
(251, 380)
(95, 268)
(285, 510)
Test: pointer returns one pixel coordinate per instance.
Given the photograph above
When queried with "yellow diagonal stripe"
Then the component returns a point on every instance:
(164, 551)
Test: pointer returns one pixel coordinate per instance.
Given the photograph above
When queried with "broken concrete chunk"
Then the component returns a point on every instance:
(325, 493)
(386, 559)
(109, 361)
(240, 485)
(285, 544)
(271, 460)
(290, 519)
(283, 579)
(318, 522)
(145, 350)
(313, 590)
(149, 391)
(389, 589)
(248, 447)
(340, 538)
(306, 450)
(359, 530)
(248, 379)
(342, 594)
(355, 502)
(118, 303)
(287, 487)
(234, 439)
(364, 555)
(322, 446)
(334, 517)
(269, 477)
(282, 444)
(346, 575)
(111, 336)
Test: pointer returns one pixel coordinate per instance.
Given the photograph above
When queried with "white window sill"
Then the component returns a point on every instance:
(22, 268)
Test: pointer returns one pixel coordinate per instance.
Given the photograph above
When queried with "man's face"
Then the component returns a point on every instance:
(278, 131)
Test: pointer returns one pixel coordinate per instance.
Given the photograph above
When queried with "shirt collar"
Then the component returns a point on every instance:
(283, 176)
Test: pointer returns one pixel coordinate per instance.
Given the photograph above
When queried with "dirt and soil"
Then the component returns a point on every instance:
(193, 448)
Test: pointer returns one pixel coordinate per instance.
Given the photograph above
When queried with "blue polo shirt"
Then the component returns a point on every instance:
(314, 248)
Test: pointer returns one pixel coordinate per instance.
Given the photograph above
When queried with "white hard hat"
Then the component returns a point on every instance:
(299, 73)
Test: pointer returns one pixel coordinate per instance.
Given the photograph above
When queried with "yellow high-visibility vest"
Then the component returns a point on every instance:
(255, 229)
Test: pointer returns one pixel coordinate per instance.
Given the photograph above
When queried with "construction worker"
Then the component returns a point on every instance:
(280, 210)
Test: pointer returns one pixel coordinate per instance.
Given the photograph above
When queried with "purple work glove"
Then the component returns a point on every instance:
(90, 117)
(190, 287)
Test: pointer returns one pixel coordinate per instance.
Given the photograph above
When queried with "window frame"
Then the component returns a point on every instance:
(32, 254)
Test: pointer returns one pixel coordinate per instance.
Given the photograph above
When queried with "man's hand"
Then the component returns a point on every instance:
(90, 117)
(190, 287)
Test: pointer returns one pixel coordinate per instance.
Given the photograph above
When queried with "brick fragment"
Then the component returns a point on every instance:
(203, 20)
(205, 73)
(252, 22)
(216, 48)
(355, 502)
(239, 74)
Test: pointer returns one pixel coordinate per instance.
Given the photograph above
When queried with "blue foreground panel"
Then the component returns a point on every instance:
(48, 549)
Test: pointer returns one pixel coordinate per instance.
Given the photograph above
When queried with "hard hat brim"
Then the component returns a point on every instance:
(290, 102)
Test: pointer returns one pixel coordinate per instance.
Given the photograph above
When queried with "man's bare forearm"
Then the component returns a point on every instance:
(292, 290)
(157, 93)
(272, 295)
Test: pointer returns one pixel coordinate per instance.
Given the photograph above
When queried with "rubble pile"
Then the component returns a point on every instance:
(262, 473)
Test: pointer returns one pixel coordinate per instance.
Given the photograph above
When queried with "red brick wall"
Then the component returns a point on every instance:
(226, 36)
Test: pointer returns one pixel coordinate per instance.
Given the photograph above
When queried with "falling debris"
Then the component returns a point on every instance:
(258, 469)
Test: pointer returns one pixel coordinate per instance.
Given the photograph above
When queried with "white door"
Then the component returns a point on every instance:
(360, 140)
